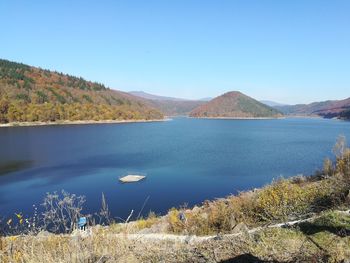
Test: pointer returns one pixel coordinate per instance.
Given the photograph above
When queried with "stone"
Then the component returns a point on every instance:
(239, 228)
(43, 234)
(233, 221)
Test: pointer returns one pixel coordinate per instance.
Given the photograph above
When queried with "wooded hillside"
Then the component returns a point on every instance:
(234, 104)
(33, 94)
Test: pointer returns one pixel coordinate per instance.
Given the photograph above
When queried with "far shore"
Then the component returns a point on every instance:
(67, 122)
(167, 118)
(267, 118)
(240, 118)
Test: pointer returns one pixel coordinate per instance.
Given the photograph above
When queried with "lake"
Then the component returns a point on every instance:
(186, 160)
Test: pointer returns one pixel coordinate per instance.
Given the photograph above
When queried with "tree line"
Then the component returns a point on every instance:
(49, 112)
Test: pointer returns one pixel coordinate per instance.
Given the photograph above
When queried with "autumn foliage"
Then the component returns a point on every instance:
(33, 94)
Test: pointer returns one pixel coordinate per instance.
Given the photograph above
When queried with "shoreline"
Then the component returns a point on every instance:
(269, 118)
(84, 122)
(239, 118)
(167, 118)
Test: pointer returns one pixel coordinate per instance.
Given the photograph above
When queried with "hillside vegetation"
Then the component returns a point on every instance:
(29, 94)
(327, 109)
(234, 105)
(345, 115)
(300, 219)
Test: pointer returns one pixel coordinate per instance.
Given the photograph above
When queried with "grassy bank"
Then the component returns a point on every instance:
(240, 228)
(322, 240)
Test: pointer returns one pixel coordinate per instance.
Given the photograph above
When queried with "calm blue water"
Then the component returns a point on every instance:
(186, 160)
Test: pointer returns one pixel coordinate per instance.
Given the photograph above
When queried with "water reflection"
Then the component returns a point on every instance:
(14, 166)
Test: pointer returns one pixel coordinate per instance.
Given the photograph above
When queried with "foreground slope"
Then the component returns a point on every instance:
(33, 94)
(235, 105)
(326, 109)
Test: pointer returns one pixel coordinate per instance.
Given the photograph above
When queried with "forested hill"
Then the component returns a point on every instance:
(235, 104)
(33, 94)
(327, 109)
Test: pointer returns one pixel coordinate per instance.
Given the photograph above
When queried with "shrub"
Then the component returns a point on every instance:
(343, 164)
(62, 211)
(147, 222)
(328, 167)
(242, 208)
(175, 225)
(280, 200)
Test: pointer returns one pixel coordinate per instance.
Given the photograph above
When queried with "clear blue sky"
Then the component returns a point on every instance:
(292, 51)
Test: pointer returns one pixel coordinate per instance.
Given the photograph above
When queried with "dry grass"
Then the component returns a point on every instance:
(283, 200)
(278, 245)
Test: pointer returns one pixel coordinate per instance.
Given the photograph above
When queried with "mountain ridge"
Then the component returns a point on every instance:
(169, 106)
(149, 96)
(272, 103)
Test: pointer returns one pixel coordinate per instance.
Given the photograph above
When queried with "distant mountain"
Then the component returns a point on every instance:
(169, 106)
(148, 96)
(235, 104)
(271, 103)
(175, 108)
(33, 94)
(326, 109)
(206, 99)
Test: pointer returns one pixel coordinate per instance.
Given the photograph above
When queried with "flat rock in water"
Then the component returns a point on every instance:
(131, 178)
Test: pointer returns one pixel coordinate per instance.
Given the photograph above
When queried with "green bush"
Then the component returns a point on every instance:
(281, 200)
